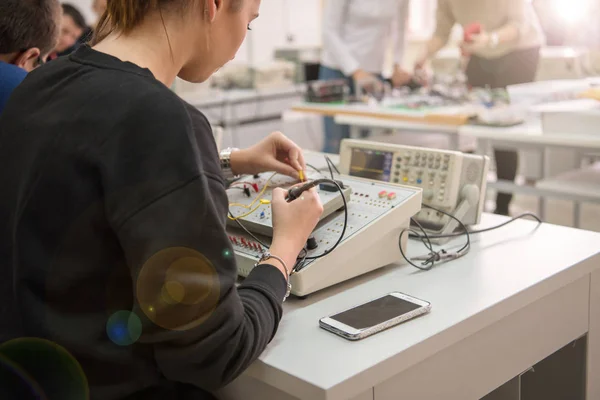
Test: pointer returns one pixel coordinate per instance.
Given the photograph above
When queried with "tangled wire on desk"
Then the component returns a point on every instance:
(429, 261)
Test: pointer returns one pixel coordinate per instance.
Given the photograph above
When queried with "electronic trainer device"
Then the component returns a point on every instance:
(452, 181)
(329, 91)
(377, 212)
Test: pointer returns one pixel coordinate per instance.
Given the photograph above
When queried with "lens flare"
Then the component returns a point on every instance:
(33, 368)
(227, 254)
(16, 383)
(571, 12)
(124, 328)
(178, 288)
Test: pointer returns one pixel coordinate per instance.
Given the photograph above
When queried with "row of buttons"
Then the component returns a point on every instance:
(429, 195)
(418, 181)
(246, 243)
(421, 172)
(425, 156)
(390, 196)
(424, 160)
(430, 165)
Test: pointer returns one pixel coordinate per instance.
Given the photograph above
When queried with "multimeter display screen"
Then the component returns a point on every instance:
(375, 312)
(371, 164)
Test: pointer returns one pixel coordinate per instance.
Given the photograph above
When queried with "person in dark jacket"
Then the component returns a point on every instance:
(114, 207)
(28, 33)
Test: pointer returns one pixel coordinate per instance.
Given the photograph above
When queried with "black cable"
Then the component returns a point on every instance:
(452, 235)
(425, 238)
(297, 191)
(443, 254)
(427, 266)
(304, 188)
(435, 256)
(326, 252)
(332, 164)
(300, 261)
(466, 231)
(329, 166)
(314, 168)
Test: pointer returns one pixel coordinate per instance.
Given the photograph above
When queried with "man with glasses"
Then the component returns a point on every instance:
(28, 32)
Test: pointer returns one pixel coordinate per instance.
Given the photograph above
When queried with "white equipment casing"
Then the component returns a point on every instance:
(371, 240)
(451, 181)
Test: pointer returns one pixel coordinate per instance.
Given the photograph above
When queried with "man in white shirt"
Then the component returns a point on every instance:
(356, 34)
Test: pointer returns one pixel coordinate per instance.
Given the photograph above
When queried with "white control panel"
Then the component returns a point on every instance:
(433, 171)
(250, 200)
(452, 182)
(377, 213)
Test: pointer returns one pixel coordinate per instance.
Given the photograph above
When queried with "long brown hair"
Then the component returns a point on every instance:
(125, 15)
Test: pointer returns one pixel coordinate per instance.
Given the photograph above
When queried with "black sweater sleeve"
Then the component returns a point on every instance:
(166, 201)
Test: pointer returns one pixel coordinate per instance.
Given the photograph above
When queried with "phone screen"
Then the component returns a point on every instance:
(375, 312)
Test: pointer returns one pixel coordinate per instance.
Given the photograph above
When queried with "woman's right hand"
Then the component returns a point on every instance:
(293, 223)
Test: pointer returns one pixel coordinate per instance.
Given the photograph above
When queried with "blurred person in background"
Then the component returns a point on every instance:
(28, 33)
(502, 42)
(72, 29)
(356, 35)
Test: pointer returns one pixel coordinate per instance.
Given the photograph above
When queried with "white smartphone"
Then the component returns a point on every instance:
(375, 316)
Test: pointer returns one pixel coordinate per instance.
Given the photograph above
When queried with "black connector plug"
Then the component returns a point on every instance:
(294, 193)
(330, 187)
(327, 185)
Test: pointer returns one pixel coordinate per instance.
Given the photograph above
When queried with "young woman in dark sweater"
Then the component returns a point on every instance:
(114, 202)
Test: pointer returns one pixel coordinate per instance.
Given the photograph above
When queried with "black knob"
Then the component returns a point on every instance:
(311, 243)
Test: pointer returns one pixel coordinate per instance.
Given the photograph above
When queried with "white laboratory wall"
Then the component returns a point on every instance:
(281, 22)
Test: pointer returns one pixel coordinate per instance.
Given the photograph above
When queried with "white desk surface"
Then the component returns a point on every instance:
(546, 53)
(382, 110)
(527, 133)
(506, 270)
(530, 133)
(394, 124)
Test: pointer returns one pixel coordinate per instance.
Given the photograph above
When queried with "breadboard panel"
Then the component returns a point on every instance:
(254, 211)
(369, 202)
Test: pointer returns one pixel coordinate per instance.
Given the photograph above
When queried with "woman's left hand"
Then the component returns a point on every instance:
(274, 153)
